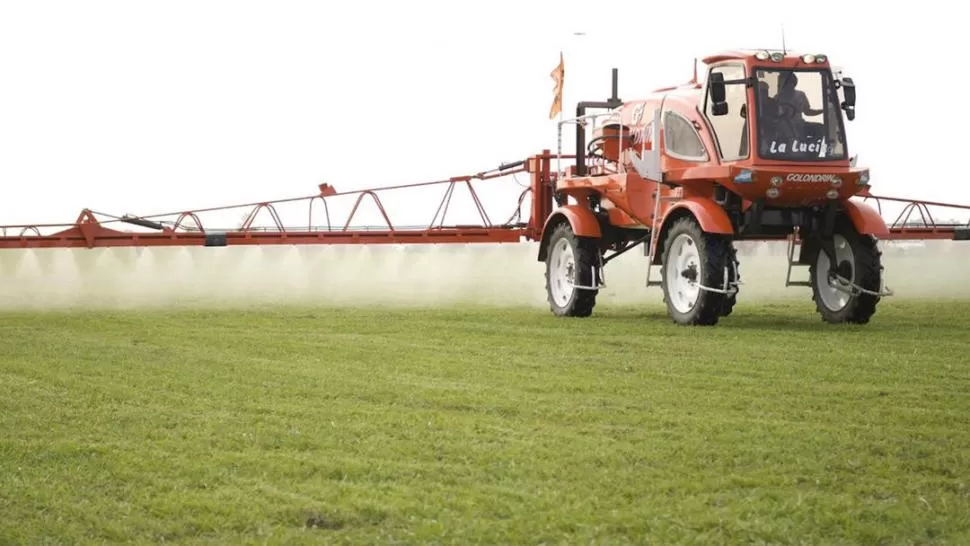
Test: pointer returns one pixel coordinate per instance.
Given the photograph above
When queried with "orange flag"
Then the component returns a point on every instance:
(558, 74)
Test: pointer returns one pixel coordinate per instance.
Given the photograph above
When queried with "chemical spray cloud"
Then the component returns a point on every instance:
(413, 275)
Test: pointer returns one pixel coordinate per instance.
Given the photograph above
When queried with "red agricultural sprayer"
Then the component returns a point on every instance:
(758, 151)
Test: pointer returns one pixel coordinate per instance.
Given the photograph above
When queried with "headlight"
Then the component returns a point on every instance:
(776, 180)
(772, 193)
(863, 178)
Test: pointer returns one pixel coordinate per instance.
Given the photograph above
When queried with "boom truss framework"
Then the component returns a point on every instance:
(186, 228)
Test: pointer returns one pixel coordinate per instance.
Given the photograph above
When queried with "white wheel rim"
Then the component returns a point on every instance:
(562, 272)
(682, 291)
(832, 297)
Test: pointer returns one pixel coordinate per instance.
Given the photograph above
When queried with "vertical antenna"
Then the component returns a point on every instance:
(783, 48)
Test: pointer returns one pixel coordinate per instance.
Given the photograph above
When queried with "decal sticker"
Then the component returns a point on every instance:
(811, 178)
(642, 134)
(638, 112)
(796, 146)
(744, 176)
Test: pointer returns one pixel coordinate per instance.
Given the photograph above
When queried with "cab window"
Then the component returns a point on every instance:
(681, 139)
(731, 129)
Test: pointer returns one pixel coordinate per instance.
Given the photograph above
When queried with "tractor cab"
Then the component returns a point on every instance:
(787, 106)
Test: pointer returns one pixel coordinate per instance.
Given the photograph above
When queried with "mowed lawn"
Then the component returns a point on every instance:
(373, 426)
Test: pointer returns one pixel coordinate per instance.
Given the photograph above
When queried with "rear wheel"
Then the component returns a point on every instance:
(570, 263)
(692, 259)
(859, 260)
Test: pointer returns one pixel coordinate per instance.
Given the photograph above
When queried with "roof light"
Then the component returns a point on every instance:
(777, 57)
(808, 58)
(821, 58)
(762, 55)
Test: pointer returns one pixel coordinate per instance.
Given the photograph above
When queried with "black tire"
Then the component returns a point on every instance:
(866, 271)
(565, 301)
(713, 254)
(728, 306)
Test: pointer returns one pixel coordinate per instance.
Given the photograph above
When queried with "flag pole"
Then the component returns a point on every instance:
(558, 75)
(563, 88)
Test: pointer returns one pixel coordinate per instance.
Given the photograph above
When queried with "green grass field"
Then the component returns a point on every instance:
(461, 426)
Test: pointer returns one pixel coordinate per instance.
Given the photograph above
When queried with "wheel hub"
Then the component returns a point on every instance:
(562, 272)
(690, 273)
(844, 269)
(682, 273)
(831, 290)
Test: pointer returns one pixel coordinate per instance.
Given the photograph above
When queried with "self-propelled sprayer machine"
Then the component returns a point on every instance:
(757, 151)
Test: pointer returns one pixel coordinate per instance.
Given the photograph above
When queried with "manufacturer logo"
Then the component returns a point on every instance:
(811, 178)
(638, 112)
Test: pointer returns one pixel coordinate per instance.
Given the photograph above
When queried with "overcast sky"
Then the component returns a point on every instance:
(144, 107)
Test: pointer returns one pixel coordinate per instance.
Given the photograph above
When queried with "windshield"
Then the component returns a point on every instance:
(798, 116)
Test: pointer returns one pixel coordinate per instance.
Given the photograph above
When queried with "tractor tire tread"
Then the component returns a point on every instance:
(727, 306)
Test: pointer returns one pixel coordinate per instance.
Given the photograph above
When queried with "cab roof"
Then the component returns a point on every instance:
(742, 54)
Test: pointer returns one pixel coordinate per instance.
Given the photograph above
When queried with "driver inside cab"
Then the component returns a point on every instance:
(795, 98)
(786, 111)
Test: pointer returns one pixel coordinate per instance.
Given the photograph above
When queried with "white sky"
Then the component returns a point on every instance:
(146, 107)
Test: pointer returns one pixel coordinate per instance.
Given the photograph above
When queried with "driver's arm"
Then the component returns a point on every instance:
(805, 107)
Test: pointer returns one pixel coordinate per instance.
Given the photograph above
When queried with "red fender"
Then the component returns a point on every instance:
(709, 214)
(866, 219)
(582, 220)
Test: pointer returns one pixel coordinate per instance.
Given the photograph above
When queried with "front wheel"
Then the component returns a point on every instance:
(569, 273)
(695, 267)
(858, 260)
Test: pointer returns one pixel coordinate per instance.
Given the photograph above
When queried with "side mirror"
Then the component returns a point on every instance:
(848, 90)
(718, 93)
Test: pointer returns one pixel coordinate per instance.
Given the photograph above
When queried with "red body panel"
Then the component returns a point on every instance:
(710, 216)
(866, 220)
(582, 220)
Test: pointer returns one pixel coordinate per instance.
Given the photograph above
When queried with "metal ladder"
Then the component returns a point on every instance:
(655, 234)
(793, 240)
